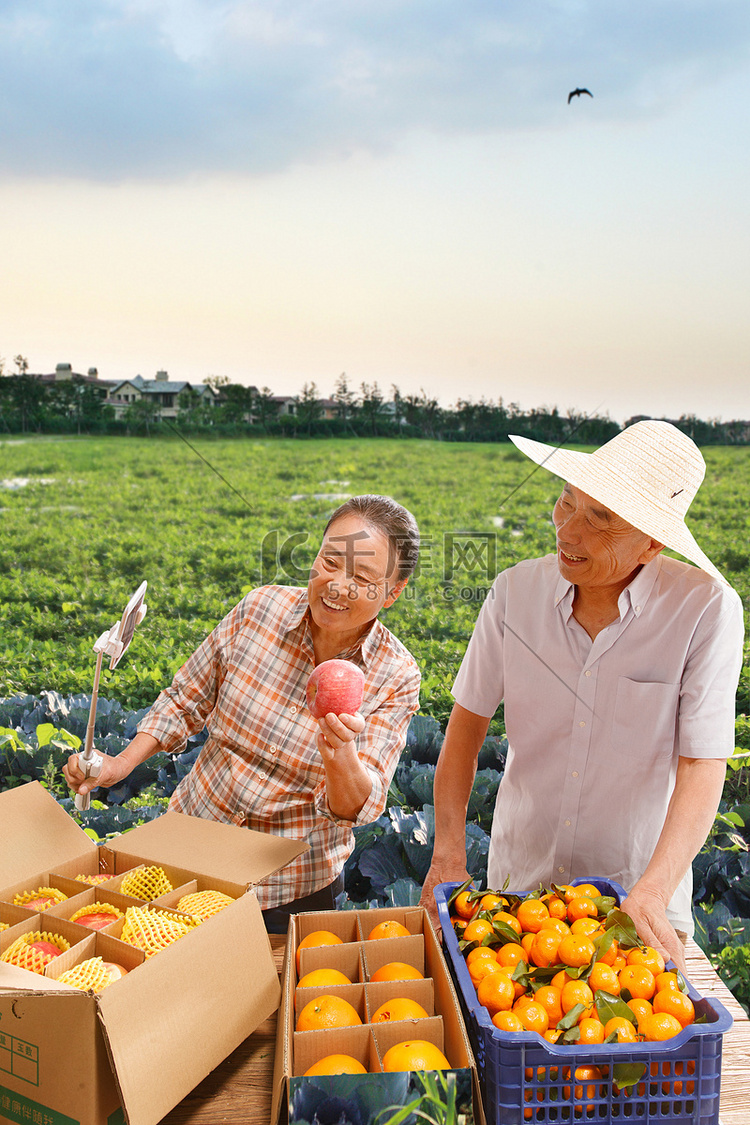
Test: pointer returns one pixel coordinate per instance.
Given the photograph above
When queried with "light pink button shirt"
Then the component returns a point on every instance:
(596, 727)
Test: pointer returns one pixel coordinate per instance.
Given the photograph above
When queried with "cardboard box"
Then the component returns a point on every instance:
(358, 958)
(135, 1050)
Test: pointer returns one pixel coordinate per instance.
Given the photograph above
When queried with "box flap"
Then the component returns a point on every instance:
(38, 834)
(208, 847)
(173, 1020)
(21, 980)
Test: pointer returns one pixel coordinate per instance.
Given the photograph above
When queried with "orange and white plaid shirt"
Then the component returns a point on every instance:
(260, 766)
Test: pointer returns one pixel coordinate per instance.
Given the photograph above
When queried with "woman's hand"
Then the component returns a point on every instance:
(335, 731)
(348, 784)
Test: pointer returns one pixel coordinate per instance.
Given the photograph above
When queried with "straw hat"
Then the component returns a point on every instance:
(648, 475)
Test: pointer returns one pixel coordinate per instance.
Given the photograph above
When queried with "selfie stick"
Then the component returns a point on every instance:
(113, 643)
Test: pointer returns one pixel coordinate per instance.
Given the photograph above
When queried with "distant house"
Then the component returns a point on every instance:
(287, 404)
(64, 373)
(161, 391)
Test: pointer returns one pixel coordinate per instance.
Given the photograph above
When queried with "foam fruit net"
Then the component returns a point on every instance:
(153, 930)
(4, 926)
(89, 976)
(203, 904)
(93, 880)
(41, 892)
(146, 882)
(97, 908)
(23, 956)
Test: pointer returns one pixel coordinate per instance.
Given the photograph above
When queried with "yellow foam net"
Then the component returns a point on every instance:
(93, 880)
(146, 882)
(25, 897)
(23, 956)
(4, 926)
(153, 930)
(203, 904)
(90, 976)
(97, 908)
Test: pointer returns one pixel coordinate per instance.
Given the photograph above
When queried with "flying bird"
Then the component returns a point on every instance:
(577, 93)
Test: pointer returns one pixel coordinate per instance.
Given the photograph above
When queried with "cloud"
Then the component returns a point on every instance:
(118, 89)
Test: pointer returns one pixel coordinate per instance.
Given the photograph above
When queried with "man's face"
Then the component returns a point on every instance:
(352, 578)
(596, 549)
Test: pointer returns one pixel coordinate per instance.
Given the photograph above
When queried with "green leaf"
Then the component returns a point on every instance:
(44, 734)
(609, 1006)
(625, 1075)
(624, 928)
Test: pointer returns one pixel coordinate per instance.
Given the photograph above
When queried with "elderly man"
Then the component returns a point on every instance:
(618, 668)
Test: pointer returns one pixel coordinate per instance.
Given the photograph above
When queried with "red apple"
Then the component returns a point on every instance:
(115, 971)
(337, 686)
(46, 948)
(96, 921)
(41, 903)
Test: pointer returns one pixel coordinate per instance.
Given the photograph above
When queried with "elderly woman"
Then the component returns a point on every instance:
(267, 763)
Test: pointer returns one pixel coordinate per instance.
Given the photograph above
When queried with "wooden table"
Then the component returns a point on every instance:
(239, 1090)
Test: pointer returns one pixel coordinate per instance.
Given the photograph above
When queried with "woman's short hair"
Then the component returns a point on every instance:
(392, 520)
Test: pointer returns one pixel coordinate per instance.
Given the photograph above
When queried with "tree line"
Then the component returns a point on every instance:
(75, 405)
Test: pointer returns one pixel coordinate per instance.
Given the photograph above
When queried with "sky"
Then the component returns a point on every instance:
(282, 191)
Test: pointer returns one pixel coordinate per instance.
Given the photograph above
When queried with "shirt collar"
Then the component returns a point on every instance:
(635, 595)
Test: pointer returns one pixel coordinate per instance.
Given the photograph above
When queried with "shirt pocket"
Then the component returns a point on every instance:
(644, 721)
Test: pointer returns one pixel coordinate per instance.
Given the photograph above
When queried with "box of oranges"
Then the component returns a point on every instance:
(369, 1017)
(127, 971)
(571, 1017)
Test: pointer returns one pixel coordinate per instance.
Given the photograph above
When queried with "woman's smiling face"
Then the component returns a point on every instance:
(352, 578)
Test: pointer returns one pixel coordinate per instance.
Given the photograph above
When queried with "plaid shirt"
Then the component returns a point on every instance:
(260, 766)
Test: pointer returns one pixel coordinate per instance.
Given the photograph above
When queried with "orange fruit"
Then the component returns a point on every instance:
(508, 919)
(545, 947)
(518, 988)
(322, 978)
(336, 1064)
(533, 1016)
(676, 1004)
(463, 908)
(527, 940)
(556, 906)
(586, 926)
(609, 956)
(389, 929)
(415, 1054)
(549, 997)
(552, 1034)
(590, 1030)
(483, 968)
(400, 1008)
(511, 953)
(660, 1026)
(496, 993)
(641, 1009)
(560, 979)
(477, 930)
(638, 980)
(668, 980)
(623, 1029)
(480, 953)
(581, 907)
(531, 913)
(327, 1011)
(556, 924)
(647, 956)
(397, 970)
(576, 950)
(507, 1021)
(318, 937)
(604, 977)
(577, 992)
(492, 901)
(587, 889)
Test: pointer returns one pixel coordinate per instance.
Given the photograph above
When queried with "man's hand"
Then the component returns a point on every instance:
(113, 770)
(649, 916)
(441, 873)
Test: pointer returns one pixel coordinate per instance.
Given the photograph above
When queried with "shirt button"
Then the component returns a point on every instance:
(561, 870)
(582, 724)
(567, 824)
(587, 672)
(273, 748)
(575, 773)
(292, 710)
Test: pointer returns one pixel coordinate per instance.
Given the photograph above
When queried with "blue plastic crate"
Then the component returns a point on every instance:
(524, 1078)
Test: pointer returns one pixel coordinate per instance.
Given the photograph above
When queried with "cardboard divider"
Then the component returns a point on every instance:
(380, 992)
(71, 957)
(97, 945)
(387, 1035)
(341, 923)
(11, 915)
(76, 885)
(347, 958)
(312, 1046)
(34, 883)
(90, 896)
(410, 950)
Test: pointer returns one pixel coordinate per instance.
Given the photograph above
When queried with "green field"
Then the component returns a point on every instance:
(85, 520)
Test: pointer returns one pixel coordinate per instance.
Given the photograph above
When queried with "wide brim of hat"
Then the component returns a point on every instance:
(612, 490)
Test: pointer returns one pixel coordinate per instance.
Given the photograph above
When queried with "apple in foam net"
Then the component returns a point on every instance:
(46, 948)
(96, 921)
(115, 971)
(336, 686)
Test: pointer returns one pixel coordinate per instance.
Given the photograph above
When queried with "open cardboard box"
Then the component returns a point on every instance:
(358, 958)
(135, 1050)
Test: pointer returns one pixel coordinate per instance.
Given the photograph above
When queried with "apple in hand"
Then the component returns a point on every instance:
(335, 686)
